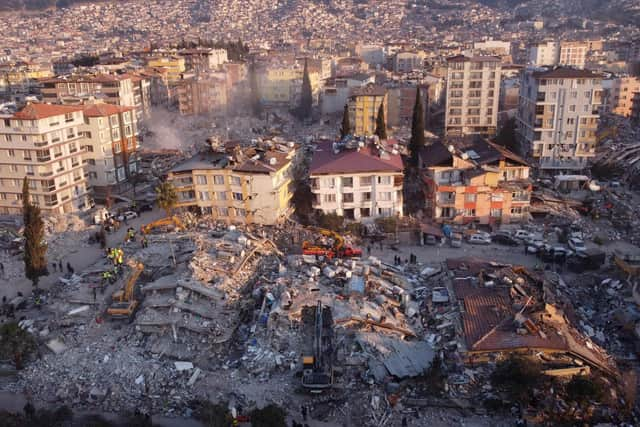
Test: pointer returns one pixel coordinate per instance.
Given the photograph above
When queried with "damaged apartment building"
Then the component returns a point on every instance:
(358, 178)
(238, 183)
(470, 179)
(506, 309)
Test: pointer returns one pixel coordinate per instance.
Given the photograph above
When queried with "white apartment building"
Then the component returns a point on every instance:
(44, 143)
(573, 54)
(359, 180)
(473, 92)
(544, 53)
(558, 117)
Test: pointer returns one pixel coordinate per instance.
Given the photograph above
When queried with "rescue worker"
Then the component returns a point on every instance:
(120, 256)
(110, 254)
(132, 234)
(106, 277)
(145, 242)
(38, 302)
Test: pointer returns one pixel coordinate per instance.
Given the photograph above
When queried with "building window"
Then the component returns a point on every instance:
(241, 212)
(385, 197)
(237, 196)
(235, 180)
(470, 197)
(11, 153)
(469, 212)
(347, 197)
(221, 195)
(366, 197)
(384, 180)
(117, 148)
(201, 179)
(496, 212)
(218, 179)
(385, 211)
(328, 182)
(347, 182)
(365, 181)
(204, 195)
(572, 108)
(517, 210)
(329, 198)
(223, 211)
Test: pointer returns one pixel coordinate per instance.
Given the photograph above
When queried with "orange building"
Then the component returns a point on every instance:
(470, 179)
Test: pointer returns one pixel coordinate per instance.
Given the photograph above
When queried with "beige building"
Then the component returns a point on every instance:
(111, 147)
(203, 59)
(473, 92)
(364, 103)
(558, 117)
(200, 95)
(573, 54)
(175, 66)
(44, 143)
(619, 96)
(238, 185)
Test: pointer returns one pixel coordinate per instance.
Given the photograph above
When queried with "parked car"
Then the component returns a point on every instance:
(534, 245)
(127, 215)
(145, 207)
(522, 235)
(576, 245)
(470, 233)
(430, 239)
(456, 240)
(479, 239)
(504, 239)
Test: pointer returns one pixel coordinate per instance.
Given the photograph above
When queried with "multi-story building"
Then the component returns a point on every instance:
(473, 92)
(558, 117)
(619, 96)
(45, 144)
(175, 66)
(469, 179)
(406, 62)
(573, 54)
(115, 89)
(401, 102)
(282, 84)
(110, 147)
(200, 95)
(203, 60)
(335, 92)
(359, 179)
(544, 53)
(364, 103)
(238, 185)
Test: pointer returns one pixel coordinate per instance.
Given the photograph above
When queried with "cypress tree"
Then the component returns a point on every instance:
(35, 248)
(306, 97)
(346, 125)
(417, 130)
(381, 126)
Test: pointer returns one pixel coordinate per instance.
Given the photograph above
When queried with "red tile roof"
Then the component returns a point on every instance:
(352, 161)
(566, 73)
(101, 110)
(464, 58)
(42, 111)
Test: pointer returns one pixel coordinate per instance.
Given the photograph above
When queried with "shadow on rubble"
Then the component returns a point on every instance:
(64, 417)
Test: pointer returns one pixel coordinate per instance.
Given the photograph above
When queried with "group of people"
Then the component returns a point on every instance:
(397, 260)
(58, 265)
(116, 256)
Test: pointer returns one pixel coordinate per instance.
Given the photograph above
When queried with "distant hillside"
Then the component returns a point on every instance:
(28, 5)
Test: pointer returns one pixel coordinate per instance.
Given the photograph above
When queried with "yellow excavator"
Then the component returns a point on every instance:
(123, 302)
(168, 221)
(338, 247)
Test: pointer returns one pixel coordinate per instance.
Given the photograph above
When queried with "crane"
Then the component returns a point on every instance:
(170, 220)
(123, 302)
(337, 249)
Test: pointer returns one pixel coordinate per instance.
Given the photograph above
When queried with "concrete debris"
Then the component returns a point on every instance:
(183, 366)
(56, 346)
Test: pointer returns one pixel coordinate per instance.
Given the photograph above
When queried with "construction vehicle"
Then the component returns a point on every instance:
(337, 249)
(317, 373)
(123, 302)
(173, 221)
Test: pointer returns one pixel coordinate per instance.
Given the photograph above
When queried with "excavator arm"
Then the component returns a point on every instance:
(170, 220)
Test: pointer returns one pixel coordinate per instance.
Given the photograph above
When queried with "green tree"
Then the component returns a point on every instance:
(35, 247)
(517, 377)
(214, 414)
(306, 96)
(417, 130)
(256, 104)
(331, 221)
(167, 196)
(346, 125)
(302, 201)
(269, 416)
(15, 343)
(381, 125)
